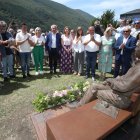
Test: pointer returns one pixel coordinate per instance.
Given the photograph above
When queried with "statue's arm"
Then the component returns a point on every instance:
(126, 84)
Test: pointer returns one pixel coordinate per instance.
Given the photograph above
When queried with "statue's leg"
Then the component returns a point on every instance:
(91, 93)
(88, 96)
(117, 100)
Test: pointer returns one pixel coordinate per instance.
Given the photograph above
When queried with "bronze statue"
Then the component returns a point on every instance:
(116, 91)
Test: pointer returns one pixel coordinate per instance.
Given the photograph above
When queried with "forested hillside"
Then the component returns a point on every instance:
(43, 13)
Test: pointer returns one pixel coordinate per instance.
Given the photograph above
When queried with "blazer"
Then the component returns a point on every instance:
(48, 43)
(129, 47)
(2, 47)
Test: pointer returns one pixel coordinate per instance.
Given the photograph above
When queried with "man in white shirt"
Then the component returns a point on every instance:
(92, 42)
(24, 42)
(119, 30)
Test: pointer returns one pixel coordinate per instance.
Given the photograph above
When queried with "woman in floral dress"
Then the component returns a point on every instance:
(106, 53)
(66, 52)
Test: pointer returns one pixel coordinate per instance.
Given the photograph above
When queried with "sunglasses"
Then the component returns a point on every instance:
(125, 31)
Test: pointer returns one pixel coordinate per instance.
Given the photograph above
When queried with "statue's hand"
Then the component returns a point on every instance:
(105, 83)
(108, 81)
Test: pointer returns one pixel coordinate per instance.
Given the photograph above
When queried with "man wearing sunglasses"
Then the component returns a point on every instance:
(124, 48)
(136, 29)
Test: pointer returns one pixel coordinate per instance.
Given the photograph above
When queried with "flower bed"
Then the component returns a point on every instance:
(69, 94)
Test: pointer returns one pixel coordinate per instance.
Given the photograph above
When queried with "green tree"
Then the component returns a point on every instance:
(106, 18)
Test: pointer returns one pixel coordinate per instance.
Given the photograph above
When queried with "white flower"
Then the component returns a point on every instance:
(55, 94)
(60, 95)
(86, 83)
(76, 88)
(46, 98)
(85, 89)
(64, 92)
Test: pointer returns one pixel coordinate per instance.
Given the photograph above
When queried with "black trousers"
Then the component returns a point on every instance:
(53, 57)
(125, 63)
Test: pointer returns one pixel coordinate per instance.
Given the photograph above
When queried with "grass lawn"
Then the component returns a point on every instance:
(16, 99)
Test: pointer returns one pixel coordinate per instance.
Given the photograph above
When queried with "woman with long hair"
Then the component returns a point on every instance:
(66, 52)
(78, 52)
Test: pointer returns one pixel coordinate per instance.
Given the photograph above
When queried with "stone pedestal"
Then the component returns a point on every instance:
(84, 123)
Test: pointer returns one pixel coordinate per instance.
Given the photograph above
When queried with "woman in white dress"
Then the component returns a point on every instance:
(78, 48)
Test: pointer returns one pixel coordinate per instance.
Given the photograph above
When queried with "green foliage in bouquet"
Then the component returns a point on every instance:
(68, 94)
(41, 102)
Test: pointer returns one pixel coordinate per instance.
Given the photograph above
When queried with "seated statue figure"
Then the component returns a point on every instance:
(116, 91)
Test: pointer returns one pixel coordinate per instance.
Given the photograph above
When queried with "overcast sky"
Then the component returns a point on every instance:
(97, 7)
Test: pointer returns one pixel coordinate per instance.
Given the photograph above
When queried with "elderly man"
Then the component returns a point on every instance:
(136, 28)
(92, 42)
(7, 53)
(124, 48)
(116, 91)
(53, 45)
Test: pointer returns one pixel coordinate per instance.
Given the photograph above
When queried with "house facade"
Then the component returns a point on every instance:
(134, 15)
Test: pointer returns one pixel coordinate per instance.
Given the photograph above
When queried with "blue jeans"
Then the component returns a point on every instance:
(91, 58)
(25, 62)
(7, 65)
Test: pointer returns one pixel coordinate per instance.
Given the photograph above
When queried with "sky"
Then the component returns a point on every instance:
(97, 7)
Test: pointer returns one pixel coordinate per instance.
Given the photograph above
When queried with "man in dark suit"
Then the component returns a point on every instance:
(53, 45)
(124, 48)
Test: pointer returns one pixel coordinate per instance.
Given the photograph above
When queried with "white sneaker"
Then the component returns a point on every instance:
(93, 79)
(36, 73)
(41, 72)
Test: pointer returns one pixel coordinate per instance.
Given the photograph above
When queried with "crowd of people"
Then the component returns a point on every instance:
(72, 49)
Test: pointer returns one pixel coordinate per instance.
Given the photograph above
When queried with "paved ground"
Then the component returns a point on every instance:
(128, 131)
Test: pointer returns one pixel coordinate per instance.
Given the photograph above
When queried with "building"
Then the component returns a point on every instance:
(134, 15)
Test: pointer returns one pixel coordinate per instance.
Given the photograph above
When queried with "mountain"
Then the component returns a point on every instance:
(43, 13)
(84, 14)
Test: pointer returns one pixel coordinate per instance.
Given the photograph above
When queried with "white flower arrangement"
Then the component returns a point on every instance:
(72, 93)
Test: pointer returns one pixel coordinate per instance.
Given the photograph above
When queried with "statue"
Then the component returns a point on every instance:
(116, 91)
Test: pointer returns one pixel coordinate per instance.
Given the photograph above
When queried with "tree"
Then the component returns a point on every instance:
(106, 18)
